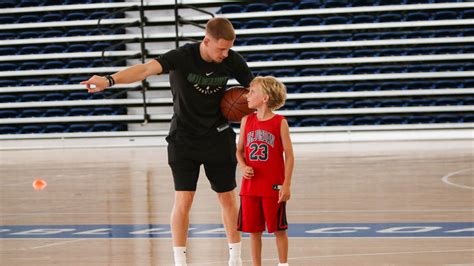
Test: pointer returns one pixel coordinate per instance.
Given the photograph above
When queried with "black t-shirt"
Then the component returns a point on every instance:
(198, 86)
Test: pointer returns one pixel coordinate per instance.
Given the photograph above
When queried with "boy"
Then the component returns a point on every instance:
(264, 138)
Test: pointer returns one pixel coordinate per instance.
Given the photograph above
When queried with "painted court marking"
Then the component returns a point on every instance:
(447, 181)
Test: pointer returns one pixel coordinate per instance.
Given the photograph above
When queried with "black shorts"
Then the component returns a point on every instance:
(215, 151)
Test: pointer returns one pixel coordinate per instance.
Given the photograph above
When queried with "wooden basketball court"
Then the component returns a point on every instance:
(374, 203)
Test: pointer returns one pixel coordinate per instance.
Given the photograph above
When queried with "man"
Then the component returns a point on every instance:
(199, 133)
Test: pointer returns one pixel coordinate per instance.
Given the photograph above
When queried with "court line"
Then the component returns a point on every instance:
(218, 212)
(348, 255)
(446, 179)
(59, 243)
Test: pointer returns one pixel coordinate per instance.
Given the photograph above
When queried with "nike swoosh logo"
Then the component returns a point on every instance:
(208, 74)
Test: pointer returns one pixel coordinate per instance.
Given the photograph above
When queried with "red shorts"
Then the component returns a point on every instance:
(256, 211)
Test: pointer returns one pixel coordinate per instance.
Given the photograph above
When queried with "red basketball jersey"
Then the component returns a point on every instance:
(264, 153)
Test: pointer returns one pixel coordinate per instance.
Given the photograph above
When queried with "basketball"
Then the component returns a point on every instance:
(234, 104)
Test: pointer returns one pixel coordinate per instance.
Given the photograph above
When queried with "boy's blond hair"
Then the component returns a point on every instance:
(275, 90)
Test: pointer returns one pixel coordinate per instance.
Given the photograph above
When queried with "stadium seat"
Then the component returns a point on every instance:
(8, 3)
(447, 84)
(283, 22)
(31, 82)
(52, 33)
(468, 14)
(419, 119)
(31, 113)
(257, 41)
(104, 111)
(8, 129)
(311, 104)
(256, 23)
(31, 129)
(7, 35)
(364, 104)
(230, 8)
(420, 85)
(290, 105)
(335, 20)
(31, 97)
(29, 35)
(81, 95)
(309, 4)
(77, 48)
(75, 16)
(8, 66)
(101, 127)
(55, 64)
(338, 87)
(8, 98)
(364, 120)
(311, 21)
(338, 121)
(8, 113)
(445, 118)
(389, 86)
(391, 120)
(392, 103)
(418, 102)
(358, 19)
(54, 81)
(29, 65)
(468, 101)
(258, 57)
(389, 17)
(445, 15)
(55, 112)
(52, 17)
(448, 67)
(365, 87)
(417, 16)
(283, 56)
(256, 7)
(76, 32)
(311, 122)
(447, 101)
(98, 15)
(468, 118)
(54, 129)
(8, 83)
(336, 3)
(28, 3)
(338, 71)
(79, 111)
(54, 48)
(312, 71)
(338, 104)
(282, 39)
(310, 38)
(54, 96)
(29, 50)
(7, 19)
(8, 51)
(28, 19)
(282, 6)
(78, 63)
(310, 55)
(306, 88)
(78, 128)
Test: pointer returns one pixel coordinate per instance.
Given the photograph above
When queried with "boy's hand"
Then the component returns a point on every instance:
(248, 172)
(284, 194)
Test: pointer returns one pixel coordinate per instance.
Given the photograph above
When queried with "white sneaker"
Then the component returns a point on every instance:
(235, 262)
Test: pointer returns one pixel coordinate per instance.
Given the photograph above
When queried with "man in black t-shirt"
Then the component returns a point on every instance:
(199, 133)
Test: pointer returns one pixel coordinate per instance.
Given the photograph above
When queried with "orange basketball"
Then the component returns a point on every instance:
(234, 104)
(39, 184)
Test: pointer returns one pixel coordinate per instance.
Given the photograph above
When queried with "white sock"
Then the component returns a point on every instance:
(283, 264)
(179, 256)
(235, 254)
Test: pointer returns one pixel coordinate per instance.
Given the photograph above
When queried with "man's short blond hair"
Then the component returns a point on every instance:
(275, 90)
(220, 28)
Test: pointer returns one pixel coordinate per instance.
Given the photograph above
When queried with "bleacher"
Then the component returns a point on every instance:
(348, 65)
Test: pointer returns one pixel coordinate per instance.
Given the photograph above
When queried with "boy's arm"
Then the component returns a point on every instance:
(129, 75)
(289, 160)
(240, 154)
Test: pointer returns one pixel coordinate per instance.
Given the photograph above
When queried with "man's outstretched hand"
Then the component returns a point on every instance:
(95, 84)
